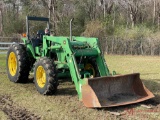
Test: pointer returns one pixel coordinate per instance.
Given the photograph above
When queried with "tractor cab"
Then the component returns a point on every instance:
(36, 40)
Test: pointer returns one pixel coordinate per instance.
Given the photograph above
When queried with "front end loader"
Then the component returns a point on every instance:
(80, 58)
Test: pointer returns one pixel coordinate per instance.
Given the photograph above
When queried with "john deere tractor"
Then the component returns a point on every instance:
(52, 57)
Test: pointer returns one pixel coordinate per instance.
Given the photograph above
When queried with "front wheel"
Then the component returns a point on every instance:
(45, 76)
(17, 63)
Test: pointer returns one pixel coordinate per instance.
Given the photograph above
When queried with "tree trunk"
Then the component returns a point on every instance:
(142, 52)
(1, 19)
(158, 20)
(132, 21)
(50, 8)
(158, 5)
(54, 16)
(104, 8)
(114, 16)
(154, 10)
(1, 22)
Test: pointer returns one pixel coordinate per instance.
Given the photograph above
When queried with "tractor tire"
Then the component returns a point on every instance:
(45, 78)
(17, 63)
(92, 67)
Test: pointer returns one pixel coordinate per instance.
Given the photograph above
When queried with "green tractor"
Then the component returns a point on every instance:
(53, 57)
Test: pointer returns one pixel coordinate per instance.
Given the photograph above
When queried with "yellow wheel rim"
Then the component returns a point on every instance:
(90, 68)
(12, 63)
(41, 76)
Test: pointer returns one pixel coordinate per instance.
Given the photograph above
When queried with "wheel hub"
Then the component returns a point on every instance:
(12, 63)
(41, 76)
(90, 68)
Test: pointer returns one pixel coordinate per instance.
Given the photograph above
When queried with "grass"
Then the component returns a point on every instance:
(2, 60)
(3, 116)
(65, 104)
(148, 66)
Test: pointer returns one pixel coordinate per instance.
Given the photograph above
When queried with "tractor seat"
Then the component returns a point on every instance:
(37, 41)
(40, 34)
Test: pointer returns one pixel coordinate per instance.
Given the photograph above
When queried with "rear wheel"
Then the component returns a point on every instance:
(17, 63)
(45, 76)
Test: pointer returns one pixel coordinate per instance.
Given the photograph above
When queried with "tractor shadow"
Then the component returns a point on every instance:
(66, 91)
(66, 87)
(154, 86)
(30, 81)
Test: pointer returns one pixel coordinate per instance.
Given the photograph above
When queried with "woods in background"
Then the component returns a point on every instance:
(125, 20)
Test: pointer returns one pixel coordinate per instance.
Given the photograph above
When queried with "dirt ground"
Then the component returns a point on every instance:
(23, 102)
(148, 110)
(15, 112)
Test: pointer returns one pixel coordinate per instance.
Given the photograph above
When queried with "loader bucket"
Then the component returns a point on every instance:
(114, 91)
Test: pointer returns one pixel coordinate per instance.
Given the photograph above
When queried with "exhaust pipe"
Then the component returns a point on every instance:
(71, 29)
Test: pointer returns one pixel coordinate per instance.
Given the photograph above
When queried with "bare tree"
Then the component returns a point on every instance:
(154, 10)
(158, 14)
(107, 6)
(133, 6)
(50, 5)
(1, 18)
